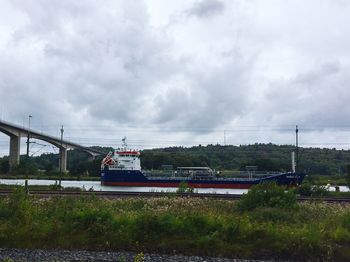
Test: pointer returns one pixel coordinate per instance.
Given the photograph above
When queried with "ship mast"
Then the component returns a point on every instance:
(124, 142)
(297, 148)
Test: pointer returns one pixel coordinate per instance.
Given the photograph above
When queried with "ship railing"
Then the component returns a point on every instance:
(223, 175)
(236, 178)
(170, 178)
(186, 178)
(118, 167)
(156, 173)
(259, 173)
(177, 176)
(247, 174)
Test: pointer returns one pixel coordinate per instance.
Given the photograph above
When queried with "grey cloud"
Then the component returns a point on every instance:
(213, 97)
(109, 70)
(206, 8)
(325, 71)
(315, 98)
(84, 63)
(98, 62)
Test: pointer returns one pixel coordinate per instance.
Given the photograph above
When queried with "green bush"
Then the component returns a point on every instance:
(320, 191)
(306, 189)
(346, 221)
(26, 167)
(4, 165)
(267, 195)
(184, 188)
(314, 231)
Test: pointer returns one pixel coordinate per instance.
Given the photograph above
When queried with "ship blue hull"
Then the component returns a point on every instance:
(136, 178)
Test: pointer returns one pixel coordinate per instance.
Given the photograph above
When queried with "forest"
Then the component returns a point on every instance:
(267, 157)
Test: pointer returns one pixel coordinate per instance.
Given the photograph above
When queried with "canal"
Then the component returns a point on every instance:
(96, 186)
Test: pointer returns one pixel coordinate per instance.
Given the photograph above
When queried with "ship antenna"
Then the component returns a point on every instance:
(297, 148)
(124, 142)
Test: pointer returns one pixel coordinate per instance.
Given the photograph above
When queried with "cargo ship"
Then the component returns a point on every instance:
(122, 167)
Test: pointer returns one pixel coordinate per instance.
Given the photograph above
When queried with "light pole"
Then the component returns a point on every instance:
(27, 160)
(297, 148)
(28, 136)
(60, 178)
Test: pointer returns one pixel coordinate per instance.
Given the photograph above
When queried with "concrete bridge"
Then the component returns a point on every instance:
(15, 133)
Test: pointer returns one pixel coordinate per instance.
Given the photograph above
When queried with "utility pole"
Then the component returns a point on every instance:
(224, 137)
(60, 178)
(297, 149)
(28, 135)
(27, 160)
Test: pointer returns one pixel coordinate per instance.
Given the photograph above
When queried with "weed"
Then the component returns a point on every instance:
(184, 188)
(272, 225)
(267, 195)
(140, 257)
(306, 189)
(7, 259)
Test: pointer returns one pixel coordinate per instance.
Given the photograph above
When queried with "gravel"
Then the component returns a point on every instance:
(10, 254)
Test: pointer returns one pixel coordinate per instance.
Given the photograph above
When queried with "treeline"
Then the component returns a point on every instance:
(267, 157)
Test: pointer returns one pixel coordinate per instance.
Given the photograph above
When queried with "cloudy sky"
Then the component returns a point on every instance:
(183, 72)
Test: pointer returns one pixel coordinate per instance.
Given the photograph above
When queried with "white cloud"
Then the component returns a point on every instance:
(199, 66)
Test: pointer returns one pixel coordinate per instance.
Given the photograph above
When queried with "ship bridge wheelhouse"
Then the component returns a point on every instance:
(128, 159)
(122, 158)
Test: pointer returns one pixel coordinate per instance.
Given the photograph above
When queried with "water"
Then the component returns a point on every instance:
(96, 186)
(341, 188)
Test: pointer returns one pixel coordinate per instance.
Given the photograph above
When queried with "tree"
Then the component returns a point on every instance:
(348, 176)
(4, 166)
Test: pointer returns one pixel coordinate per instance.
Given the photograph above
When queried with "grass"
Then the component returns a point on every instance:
(339, 194)
(339, 180)
(38, 187)
(307, 189)
(307, 231)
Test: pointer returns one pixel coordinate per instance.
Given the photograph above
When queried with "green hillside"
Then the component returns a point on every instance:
(267, 157)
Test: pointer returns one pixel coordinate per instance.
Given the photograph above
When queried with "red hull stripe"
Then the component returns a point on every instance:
(128, 153)
(157, 184)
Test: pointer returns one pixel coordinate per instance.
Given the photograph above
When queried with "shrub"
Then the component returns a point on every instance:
(320, 191)
(267, 195)
(346, 221)
(306, 189)
(140, 257)
(312, 232)
(184, 188)
(348, 176)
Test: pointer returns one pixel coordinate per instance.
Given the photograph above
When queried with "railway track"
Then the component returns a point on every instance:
(120, 194)
(123, 194)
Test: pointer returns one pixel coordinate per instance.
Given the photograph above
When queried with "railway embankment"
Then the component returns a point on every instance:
(267, 223)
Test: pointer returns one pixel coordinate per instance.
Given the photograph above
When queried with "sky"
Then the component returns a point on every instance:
(177, 73)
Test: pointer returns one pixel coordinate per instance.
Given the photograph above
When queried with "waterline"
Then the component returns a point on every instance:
(96, 186)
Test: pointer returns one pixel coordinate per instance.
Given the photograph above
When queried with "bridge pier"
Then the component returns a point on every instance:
(15, 146)
(15, 133)
(63, 159)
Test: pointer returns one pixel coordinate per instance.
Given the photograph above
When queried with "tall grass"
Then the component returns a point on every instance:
(311, 231)
(268, 195)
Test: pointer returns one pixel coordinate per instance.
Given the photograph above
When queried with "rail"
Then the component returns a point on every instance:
(121, 194)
